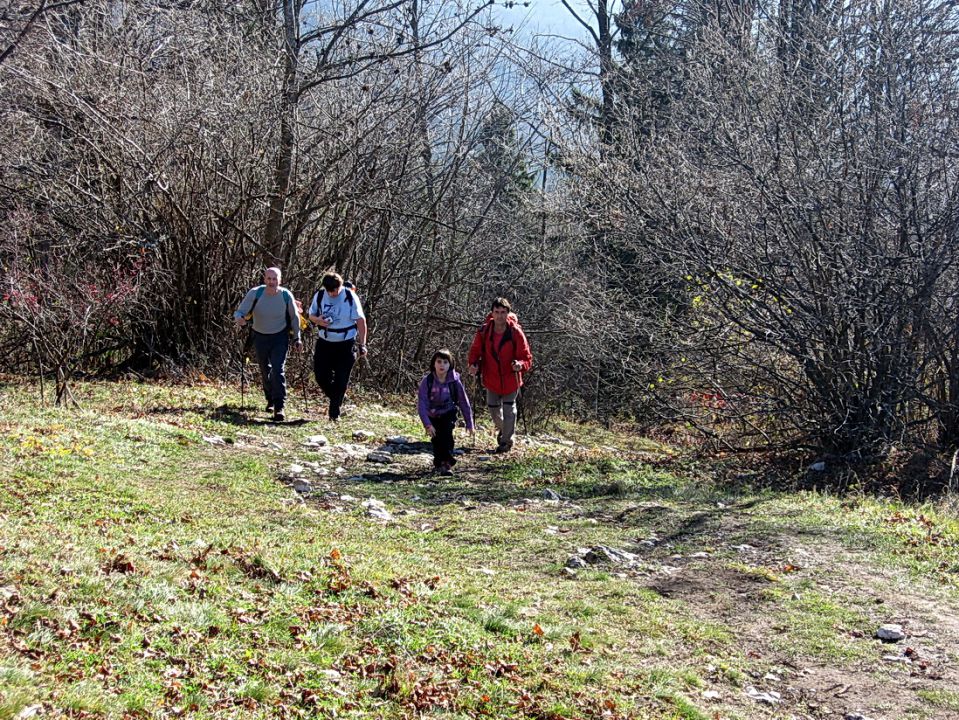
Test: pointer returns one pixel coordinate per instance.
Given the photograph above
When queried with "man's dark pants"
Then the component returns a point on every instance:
(332, 364)
(271, 352)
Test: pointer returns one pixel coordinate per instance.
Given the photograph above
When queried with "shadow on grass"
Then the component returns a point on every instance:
(229, 414)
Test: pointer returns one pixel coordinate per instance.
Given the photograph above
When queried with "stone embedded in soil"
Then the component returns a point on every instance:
(316, 441)
(552, 495)
(380, 457)
(398, 440)
(362, 435)
(890, 632)
(769, 698)
(855, 716)
(603, 555)
(377, 510)
(575, 562)
(897, 659)
(302, 487)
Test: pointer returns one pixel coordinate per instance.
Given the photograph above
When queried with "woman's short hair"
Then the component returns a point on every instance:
(501, 302)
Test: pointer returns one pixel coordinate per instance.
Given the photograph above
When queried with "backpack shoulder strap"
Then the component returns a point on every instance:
(256, 298)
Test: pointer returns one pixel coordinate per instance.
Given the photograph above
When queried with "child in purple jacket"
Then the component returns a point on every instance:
(441, 391)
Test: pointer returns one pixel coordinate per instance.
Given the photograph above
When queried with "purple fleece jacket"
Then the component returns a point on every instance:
(438, 402)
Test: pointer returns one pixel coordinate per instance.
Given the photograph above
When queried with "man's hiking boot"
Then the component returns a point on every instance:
(269, 408)
(504, 447)
(278, 416)
(445, 469)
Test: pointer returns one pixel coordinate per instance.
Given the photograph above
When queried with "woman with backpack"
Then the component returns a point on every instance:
(441, 392)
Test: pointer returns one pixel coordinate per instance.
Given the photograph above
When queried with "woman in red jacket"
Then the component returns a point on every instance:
(501, 353)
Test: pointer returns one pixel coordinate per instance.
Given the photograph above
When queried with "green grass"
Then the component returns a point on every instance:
(149, 573)
(942, 699)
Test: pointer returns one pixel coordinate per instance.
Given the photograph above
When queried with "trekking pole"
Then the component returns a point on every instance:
(304, 380)
(243, 382)
(519, 406)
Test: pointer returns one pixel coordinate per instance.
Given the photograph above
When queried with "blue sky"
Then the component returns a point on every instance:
(548, 16)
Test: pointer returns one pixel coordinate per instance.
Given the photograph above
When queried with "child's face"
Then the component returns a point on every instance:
(442, 365)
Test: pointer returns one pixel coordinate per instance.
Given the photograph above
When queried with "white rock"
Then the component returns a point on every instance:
(855, 716)
(770, 698)
(363, 435)
(378, 512)
(296, 469)
(214, 439)
(29, 712)
(316, 441)
(398, 440)
(330, 674)
(380, 457)
(897, 659)
(699, 555)
(890, 632)
(712, 695)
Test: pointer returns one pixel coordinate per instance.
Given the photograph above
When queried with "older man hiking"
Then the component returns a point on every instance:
(501, 354)
(276, 320)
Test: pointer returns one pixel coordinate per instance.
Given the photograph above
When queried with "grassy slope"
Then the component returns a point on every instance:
(147, 573)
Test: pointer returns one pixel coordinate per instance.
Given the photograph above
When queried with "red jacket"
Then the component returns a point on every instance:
(495, 354)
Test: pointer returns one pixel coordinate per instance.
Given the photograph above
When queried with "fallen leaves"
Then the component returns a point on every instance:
(119, 563)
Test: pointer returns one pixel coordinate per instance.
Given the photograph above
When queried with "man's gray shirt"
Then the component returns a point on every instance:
(271, 311)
